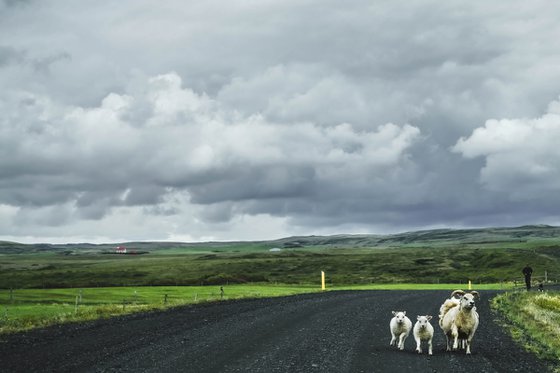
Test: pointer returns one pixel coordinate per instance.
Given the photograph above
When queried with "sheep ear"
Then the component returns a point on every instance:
(404, 312)
(476, 294)
(429, 317)
(418, 317)
(457, 293)
(394, 313)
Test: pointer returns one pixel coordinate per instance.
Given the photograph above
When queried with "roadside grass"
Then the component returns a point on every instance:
(25, 309)
(533, 320)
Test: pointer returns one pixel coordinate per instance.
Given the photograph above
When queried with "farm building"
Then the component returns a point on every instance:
(120, 250)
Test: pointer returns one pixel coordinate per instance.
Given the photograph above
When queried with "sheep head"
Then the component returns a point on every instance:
(423, 321)
(467, 300)
(399, 316)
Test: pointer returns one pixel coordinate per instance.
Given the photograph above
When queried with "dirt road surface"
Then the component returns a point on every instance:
(345, 331)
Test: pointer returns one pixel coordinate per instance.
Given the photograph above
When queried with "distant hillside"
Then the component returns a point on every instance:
(427, 238)
(435, 237)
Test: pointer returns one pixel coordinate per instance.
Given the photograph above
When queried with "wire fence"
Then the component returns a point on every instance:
(546, 281)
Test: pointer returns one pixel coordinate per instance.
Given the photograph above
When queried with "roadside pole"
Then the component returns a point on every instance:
(322, 280)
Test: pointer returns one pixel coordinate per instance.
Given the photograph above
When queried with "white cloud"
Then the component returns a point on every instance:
(522, 155)
(82, 162)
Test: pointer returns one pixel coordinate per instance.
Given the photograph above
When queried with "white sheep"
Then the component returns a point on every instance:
(459, 319)
(423, 331)
(400, 326)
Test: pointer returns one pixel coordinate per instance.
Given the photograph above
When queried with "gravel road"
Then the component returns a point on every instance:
(337, 331)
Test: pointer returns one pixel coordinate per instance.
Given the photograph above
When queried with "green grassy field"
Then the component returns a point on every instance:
(437, 256)
(30, 308)
(293, 266)
(112, 283)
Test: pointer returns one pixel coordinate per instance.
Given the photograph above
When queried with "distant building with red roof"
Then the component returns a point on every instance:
(120, 250)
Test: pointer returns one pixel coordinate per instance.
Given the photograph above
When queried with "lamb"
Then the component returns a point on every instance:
(458, 319)
(400, 326)
(423, 331)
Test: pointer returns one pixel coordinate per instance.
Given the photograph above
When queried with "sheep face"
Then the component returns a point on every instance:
(400, 316)
(468, 300)
(423, 321)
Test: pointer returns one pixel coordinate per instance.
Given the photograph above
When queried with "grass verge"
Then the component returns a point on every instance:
(533, 320)
(33, 308)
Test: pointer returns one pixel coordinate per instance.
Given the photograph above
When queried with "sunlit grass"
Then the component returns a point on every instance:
(533, 319)
(31, 308)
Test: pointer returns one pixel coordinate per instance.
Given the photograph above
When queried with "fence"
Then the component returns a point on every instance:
(548, 280)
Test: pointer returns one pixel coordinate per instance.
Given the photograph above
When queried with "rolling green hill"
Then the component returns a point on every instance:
(486, 237)
(431, 256)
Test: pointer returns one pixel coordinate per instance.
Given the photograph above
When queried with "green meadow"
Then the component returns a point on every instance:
(42, 284)
(29, 308)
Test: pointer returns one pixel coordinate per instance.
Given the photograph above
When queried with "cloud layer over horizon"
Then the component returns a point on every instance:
(255, 120)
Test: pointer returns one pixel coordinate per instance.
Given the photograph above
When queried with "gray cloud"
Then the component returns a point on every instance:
(9, 55)
(202, 120)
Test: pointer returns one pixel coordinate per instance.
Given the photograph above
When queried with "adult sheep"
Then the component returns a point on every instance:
(458, 318)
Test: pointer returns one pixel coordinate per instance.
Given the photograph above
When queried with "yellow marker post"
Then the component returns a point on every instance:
(470, 285)
(322, 280)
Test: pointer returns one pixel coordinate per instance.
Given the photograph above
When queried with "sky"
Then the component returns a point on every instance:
(142, 120)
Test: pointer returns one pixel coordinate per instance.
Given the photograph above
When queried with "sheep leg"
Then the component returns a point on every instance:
(469, 345)
(447, 341)
(418, 347)
(401, 341)
(430, 346)
(455, 335)
(393, 339)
